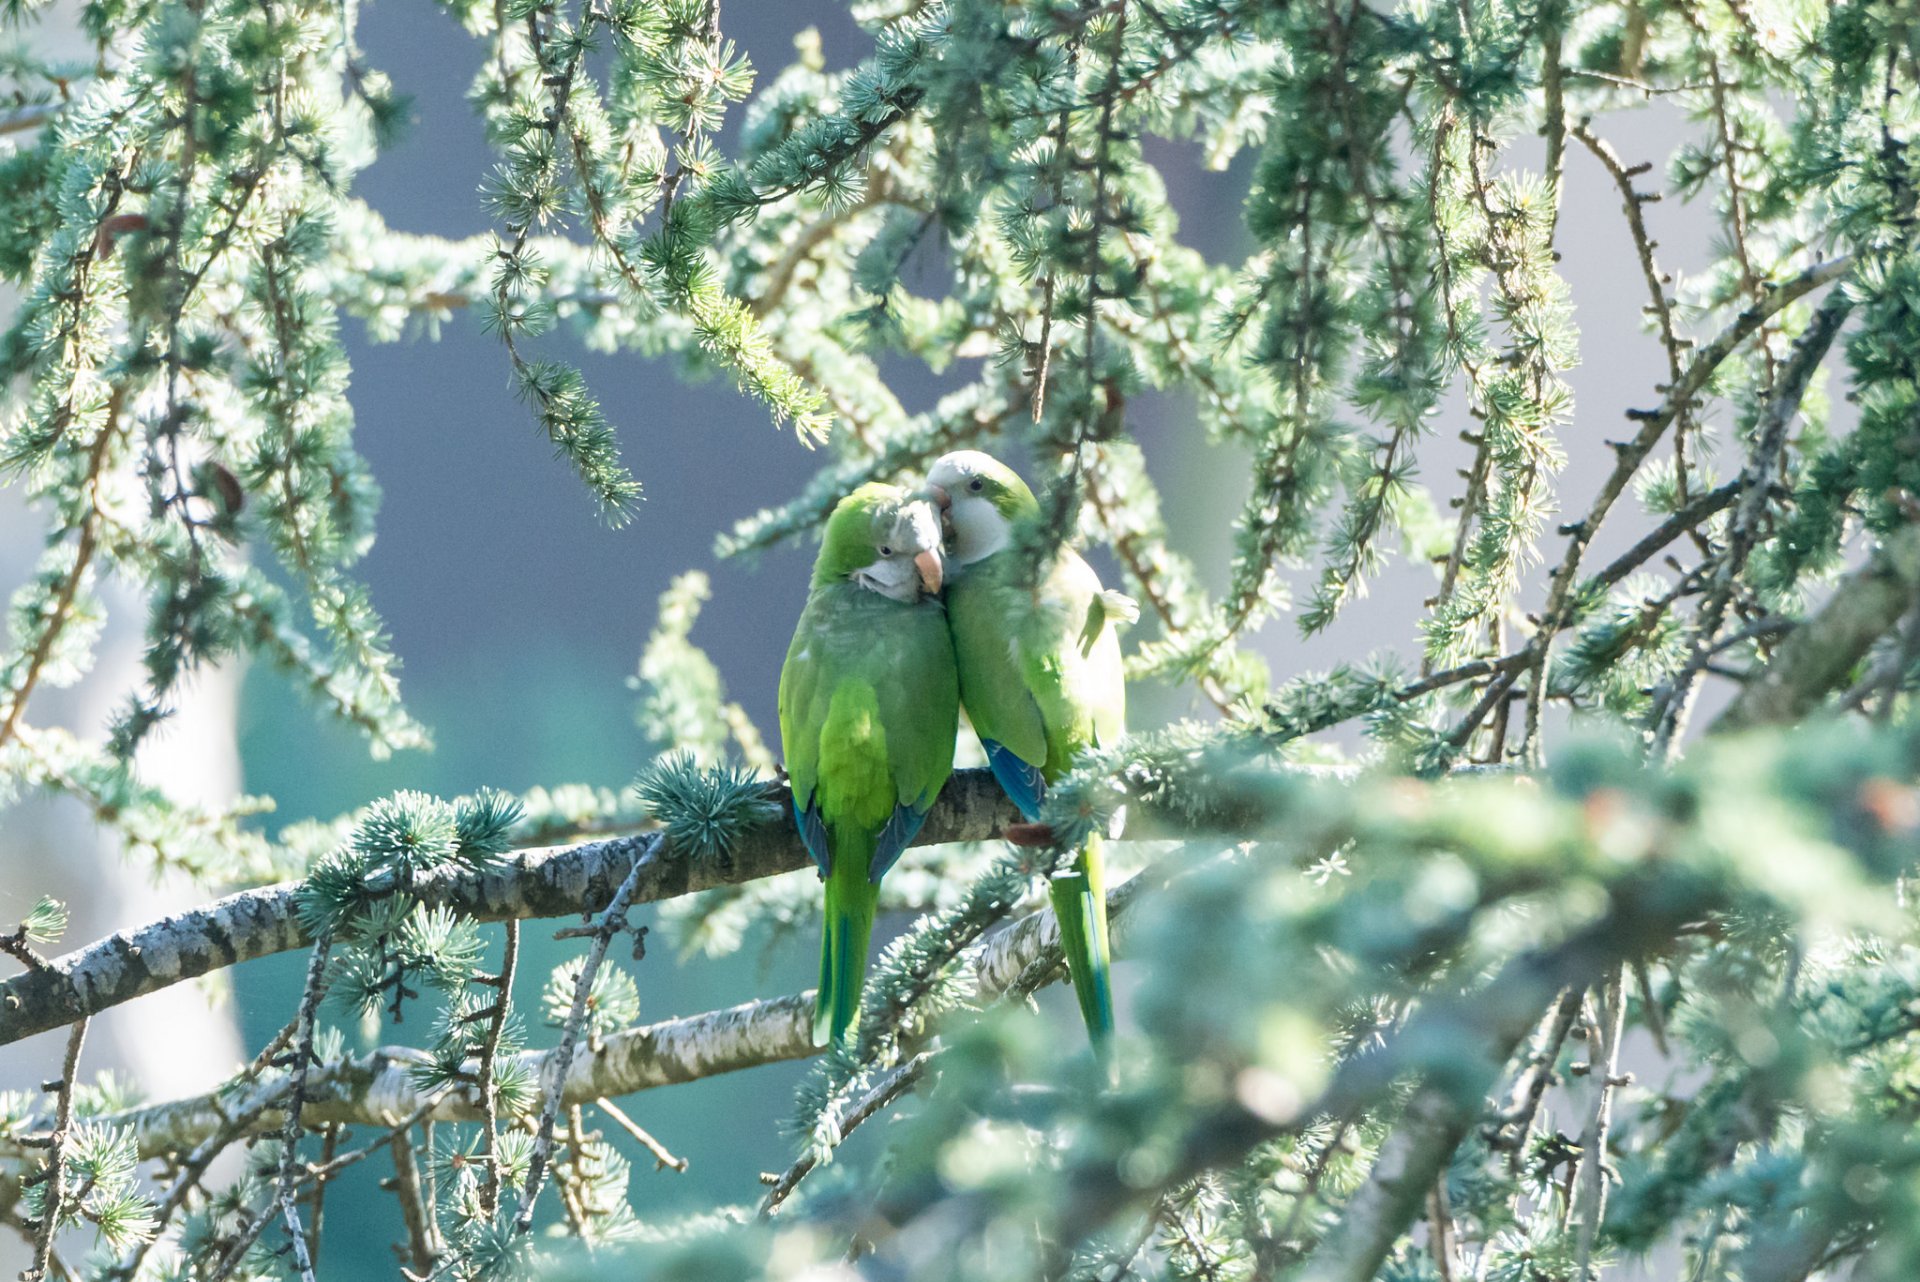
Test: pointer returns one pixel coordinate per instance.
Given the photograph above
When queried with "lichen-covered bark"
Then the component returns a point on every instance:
(378, 1089)
(547, 882)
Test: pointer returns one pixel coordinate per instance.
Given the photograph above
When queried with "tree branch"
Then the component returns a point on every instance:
(549, 882)
(1458, 1044)
(1816, 657)
(377, 1089)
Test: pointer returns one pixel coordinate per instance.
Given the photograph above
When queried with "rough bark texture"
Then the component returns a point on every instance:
(377, 1089)
(552, 881)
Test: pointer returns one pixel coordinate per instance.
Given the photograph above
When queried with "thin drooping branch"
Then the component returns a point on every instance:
(555, 1070)
(406, 1185)
(549, 882)
(891, 1086)
(56, 1171)
(1745, 527)
(301, 1057)
(1515, 1130)
(488, 1079)
(1603, 1069)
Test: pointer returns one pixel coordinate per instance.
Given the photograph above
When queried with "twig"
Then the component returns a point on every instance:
(317, 1194)
(232, 1127)
(553, 1085)
(1743, 528)
(56, 1170)
(302, 1058)
(663, 1158)
(421, 1246)
(1603, 1055)
(1818, 656)
(502, 984)
(889, 1088)
(1516, 1129)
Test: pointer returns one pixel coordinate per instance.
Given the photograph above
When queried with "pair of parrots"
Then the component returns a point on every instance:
(879, 667)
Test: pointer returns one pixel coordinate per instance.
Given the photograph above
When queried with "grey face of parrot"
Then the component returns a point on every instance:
(906, 546)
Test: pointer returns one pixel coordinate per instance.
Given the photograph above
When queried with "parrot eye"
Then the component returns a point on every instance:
(976, 485)
(885, 550)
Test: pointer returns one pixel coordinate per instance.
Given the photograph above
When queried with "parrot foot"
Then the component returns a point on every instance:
(1029, 834)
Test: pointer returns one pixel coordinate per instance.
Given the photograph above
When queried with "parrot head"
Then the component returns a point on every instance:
(982, 499)
(885, 540)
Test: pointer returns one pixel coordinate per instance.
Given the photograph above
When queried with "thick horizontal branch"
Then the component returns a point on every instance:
(378, 1089)
(553, 881)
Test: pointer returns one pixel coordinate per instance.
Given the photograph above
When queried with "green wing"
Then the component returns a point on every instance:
(868, 710)
(983, 609)
(869, 705)
(1070, 652)
(1040, 673)
(1041, 678)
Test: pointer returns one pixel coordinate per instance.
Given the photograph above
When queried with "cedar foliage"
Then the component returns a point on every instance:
(1380, 1018)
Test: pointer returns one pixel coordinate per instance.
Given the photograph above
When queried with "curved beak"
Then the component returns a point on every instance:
(941, 499)
(928, 563)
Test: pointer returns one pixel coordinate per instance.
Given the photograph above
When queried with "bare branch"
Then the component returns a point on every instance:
(1757, 482)
(302, 1059)
(663, 1157)
(421, 1249)
(1603, 1055)
(891, 1086)
(554, 1071)
(56, 1172)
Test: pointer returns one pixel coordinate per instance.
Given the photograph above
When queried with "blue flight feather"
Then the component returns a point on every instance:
(1021, 781)
(813, 832)
(894, 840)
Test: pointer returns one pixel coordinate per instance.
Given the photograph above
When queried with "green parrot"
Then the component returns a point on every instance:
(1041, 680)
(869, 708)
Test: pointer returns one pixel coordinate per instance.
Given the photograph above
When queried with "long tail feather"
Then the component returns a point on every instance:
(851, 901)
(1080, 902)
